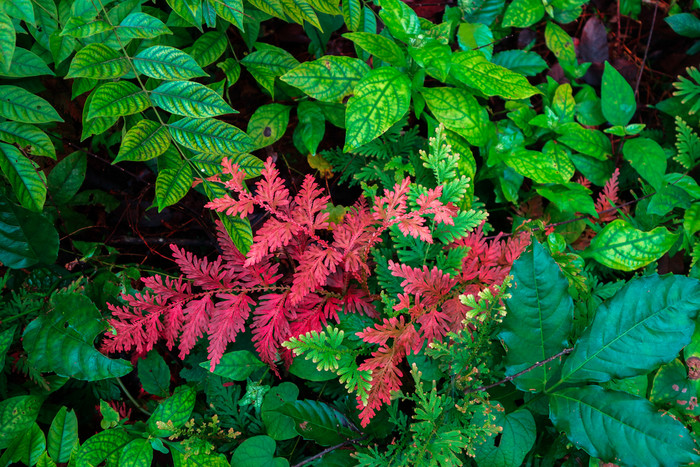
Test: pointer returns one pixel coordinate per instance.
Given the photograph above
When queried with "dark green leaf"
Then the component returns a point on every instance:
(617, 97)
(319, 422)
(257, 451)
(25, 64)
(154, 374)
(17, 414)
(107, 444)
(137, 453)
(237, 365)
(516, 439)
(189, 99)
(279, 427)
(117, 99)
(27, 180)
(98, 61)
(62, 435)
(21, 105)
(173, 412)
(173, 184)
(29, 137)
(67, 177)
(210, 136)
(26, 237)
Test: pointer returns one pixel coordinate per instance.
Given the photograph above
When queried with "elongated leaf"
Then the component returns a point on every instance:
(523, 13)
(20, 9)
(189, 10)
(616, 97)
(474, 70)
(231, 11)
(26, 237)
(329, 78)
(17, 414)
(144, 141)
(137, 453)
(6, 339)
(210, 136)
(621, 246)
(34, 140)
(208, 47)
(460, 112)
(98, 61)
(107, 444)
(300, 11)
(174, 411)
(239, 230)
(62, 341)
(539, 320)
(167, 63)
(620, 428)
(236, 365)
(381, 47)
(29, 446)
(645, 324)
(20, 105)
(268, 63)
(173, 184)
(189, 99)
(508, 448)
(540, 167)
(27, 180)
(117, 99)
(352, 14)
(7, 41)
(96, 125)
(62, 435)
(648, 159)
(381, 99)
(318, 422)
(257, 451)
(67, 176)
(142, 26)
(154, 374)
(80, 27)
(520, 61)
(26, 63)
(593, 143)
(268, 124)
(400, 19)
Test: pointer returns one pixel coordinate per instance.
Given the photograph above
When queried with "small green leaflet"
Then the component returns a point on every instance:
(381, 99)
(329, 78)
(20, 105)
(381, 47)
(173, 184)
(648, 158)
(98, 61)
(523, 13)
(27, 180)
(144, 141)
(239, 230)
(232, 70)
(139, 25)
(472, 68)
(27, 136)
(210, 136)
(268, 124)
(189, 99)
(66, 178)
(116, 99)
(268, 63)
(617, 97)
(167, 63)
(458, 111)
(26, 63)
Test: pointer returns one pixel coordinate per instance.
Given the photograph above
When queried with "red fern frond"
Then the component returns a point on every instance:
(227, 320)
(432, 284)
(271, 325)
(196, 319)
(608, 198)
(316, 265)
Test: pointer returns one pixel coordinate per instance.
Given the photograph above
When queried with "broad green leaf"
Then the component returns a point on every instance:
(26, 237)
(329, 7)
(45, 461)
(620, 428)
(17, 414)
(20, 105)
(167, 63)
(520, 61)
(210, 136)
(617, 97)
(352, 14)
(569, 197)
(80, 27)
(318, 422)
(62, 341)
(268, 124)
(560, 43)
(137, 453)
(459, 111)
(311, 127)
(231, 11)
(139, 25)
(434, 57)
(26, 448)
(645, 324)
(7, 41)
(672, 388)
(201, 459)
(621, 246)
(62, 47)
(20, 9)
(208, 47)
(98, 61)
(237, 365)
(62, 435)
(279, 427)
(189, 99)
(553, 167)
(648, 159)
(595, 170)
(475, 71)
(117, 99)
(173, 184)
(154, 374)
(27, 180)
(66, 178)
(563, 104)
(232, 70)
(329, 78)
(667, 198)
(476, 36)
(189, 10)
(174, 411)
(107, 444)
(400, 19)
(257, 451)
(268, 63)
(239, 230)
(97, 125)
(509, 447)
(381, 47)
(539, 320)
(300, 11)
(144, 141)
(523, 13)
(25, 64)
(593, 143)
(684, 24)
(381, 99)
(29, 137)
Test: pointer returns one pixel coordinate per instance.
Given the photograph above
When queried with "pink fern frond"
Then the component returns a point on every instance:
(227, 320)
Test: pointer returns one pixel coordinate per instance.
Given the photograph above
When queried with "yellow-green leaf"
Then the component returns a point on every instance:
(210, 136)
(173, 184)
(116, 99)
(27, 180)
(327, 79)
(189, 99)
(98, 61)
(474, 70)
(20, 105)
(460, 112)
(167, 63)
(144, 141)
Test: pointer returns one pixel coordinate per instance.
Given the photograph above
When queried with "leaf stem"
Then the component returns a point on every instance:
(131, 398)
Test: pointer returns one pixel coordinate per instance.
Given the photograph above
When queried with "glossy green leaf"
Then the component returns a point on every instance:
(6, 339)
(329, 78)
(672, 388)
(98, 61)
(691, 219)
(617, 97)
(311, 127)
(144, 141)
(107, 444)
(509, 447)
(231, 11)
(154, 374)
(257, 451)
(210, 136)
(318, 422)
(67, 177)
(400, 19)
(268, 63)
(20, 9)
(62, 435)
(29, 137)
(26, 237)
(239, 230)
(593, 143)
(117, 99)
(667, 198)
(167, 63)
(174, 411)
(434, 57)
(553, 167)
(17, 414)
(476, 36)
(539, 319)
(137, 453)
(139, 25)
(621, 246)
(620, 428)
(189, 10)
(474, 70)
(684, 24)
(523, 13)
(645, 324)
(560, 43)
(27, 180)
(520, 61)
(189, 99)
(237, 365)
(45, 461)
(20, 105)
(279, 427)
(62, 341)
(7, 41)
(459, 111)
(80, 27)
(352, 14)
(648, 158)
(299, 11)
(25, 64)
(232, 70)
(381, 99)
(595, 170)
(97, 125)
(27, 447)
(173, 184)
(569, 197)
(268, 124)
(208, 47)
(381, 47)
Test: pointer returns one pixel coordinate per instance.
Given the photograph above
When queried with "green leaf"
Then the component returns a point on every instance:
(189, 99)
(648, 159)
(20, 105)
(63, 435)
(239, 230)
(381, 47)
(107, 444)
(210, 136)
(621, 246)
(189, 10)
(669, 197)
(319, 422)
(672, 388)
(539, 320)
(137, 453)
(352, 11)
(231, 11)
(27, 180)
(300, 11)
(154, 374)
(34, 140)
(595, 170)
(80, 27)
(26, 237)
(508, 448)
(167, 63)
(45, 461)
(6, 339)
(20, 9)
(268, 63)
(97, 125)
(17, 414)
(620, 428)
(98, 61)
(7, 41)
(117, 99)
(520, 61)
(684, 24)
(474, 70)
(691, 219)
(569, 197)
(67, 177)
(645, 324)
(329, 78)
(173, 184)
(593, 143)
(381, 99)
(139, 25)
(232, 70)
(458, 111)
(144, 141)
(434, 57)
(174, 411)
(554, 167)
(28, 446)
(560, 43)
(311, 127)
(208, 47)
(257, 451)
(25, 64)
(523, 13)
(268, 124)
(617, 97)
(400, 19)
(237, 365)
(279, 427)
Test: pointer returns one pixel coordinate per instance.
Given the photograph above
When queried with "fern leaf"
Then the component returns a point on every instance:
(687, 144)
(227, 320)
(271, 325)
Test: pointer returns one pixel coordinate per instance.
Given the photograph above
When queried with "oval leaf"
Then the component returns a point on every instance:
(474, 70)
(268, 124)
(173, 184)
(27, 180)
(210, 136)
(144, 141)
(17, 414)
(28, 136)
(63, 434)
(98, 61)
(167, 63)
(319, 422)
(26, 237)
(189, 99)
(117, 99)
(460, 112)
(327, 79)
(616, 97)
(20, 105)
(237, 365)
(137, 453)
(104, 445)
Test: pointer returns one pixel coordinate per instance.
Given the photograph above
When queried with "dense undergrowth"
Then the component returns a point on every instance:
(322, 232)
